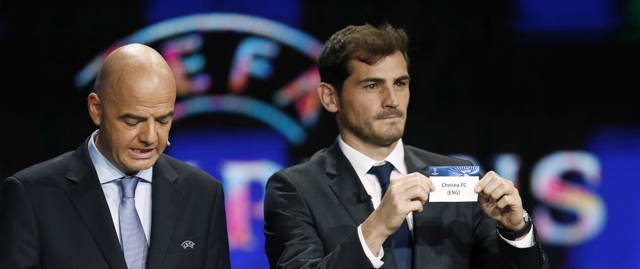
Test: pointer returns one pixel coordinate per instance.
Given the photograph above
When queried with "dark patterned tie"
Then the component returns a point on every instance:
(132, 238)
(400, 241)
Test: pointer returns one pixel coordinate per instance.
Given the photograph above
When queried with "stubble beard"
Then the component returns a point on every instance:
(365, 131)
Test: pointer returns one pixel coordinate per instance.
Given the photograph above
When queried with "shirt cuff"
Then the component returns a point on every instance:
(375, 260)
(526, 242)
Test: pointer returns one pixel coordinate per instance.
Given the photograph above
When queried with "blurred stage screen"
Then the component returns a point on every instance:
(243, 160)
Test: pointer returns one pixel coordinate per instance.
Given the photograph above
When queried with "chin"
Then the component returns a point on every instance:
(384, 140)
(390, 138)
(393, 133)
(142, 165)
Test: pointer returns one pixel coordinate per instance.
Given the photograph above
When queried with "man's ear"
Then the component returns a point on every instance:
(95, 108)
(328, 96)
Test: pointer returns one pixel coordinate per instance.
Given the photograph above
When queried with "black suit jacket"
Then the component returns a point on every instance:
(312, 212)
(55, 215)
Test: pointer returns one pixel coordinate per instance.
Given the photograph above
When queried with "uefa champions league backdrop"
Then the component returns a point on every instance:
(539, 91)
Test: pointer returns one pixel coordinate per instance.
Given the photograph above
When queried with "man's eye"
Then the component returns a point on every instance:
(370, 86)
(164, 122)
(401, 84)
(131, 123)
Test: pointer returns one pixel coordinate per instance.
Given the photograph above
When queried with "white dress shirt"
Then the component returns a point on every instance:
(362, 163)
(109, 176)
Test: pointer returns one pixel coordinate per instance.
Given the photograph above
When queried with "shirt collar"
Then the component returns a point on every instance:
(106, 171)
(362, 163)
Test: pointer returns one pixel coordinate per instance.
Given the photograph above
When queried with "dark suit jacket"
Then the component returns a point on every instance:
(55, 215)
(312, 212)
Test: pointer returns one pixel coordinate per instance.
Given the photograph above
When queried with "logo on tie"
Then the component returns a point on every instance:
(188, 244)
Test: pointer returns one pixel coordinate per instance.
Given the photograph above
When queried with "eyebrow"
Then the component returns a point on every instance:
(170, 114)
(142, 118)
(376, 80)
(132, 116)
(407, 77)
(381, 80)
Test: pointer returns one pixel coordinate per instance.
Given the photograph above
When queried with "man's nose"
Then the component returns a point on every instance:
(148, 134)
(389, 97)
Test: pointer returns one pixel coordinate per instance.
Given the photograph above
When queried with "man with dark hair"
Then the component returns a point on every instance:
(365, 43)
(362, 203)
(117, 201)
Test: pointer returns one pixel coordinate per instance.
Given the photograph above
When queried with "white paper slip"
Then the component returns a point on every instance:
(454, 183)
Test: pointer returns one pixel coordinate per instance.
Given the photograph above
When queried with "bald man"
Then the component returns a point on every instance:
(117, 201)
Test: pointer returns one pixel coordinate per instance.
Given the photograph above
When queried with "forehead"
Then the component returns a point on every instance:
(389, 67)
(141, 89)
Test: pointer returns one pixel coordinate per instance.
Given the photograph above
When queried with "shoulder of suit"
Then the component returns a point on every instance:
(315, 163)
(435, 159)
(185, 170)
(56, 167)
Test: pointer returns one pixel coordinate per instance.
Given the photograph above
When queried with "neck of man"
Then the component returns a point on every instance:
(376, 152)
(103, 150)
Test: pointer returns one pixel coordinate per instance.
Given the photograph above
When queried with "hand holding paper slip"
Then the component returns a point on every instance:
(499, 199)
(454, 183)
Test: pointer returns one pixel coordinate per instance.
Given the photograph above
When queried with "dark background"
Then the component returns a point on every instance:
(480, 84)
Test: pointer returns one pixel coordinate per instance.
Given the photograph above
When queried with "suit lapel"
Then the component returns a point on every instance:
(346, 185)
(165, 205)
(86, 195)
(414, 164)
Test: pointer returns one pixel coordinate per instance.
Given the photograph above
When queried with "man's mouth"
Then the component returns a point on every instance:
(390, 114)
(390, 117)
(142, 153)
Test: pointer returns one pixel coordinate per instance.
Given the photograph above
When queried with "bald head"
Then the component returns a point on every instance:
(131, 63)
(133, 105)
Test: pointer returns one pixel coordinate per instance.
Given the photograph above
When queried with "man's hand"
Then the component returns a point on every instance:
(501, 201)
(405, 194)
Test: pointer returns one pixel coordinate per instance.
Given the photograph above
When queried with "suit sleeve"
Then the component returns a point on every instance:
(493, 252)
(291, 237)
(18, 230)
(218, 241)
(532, 257)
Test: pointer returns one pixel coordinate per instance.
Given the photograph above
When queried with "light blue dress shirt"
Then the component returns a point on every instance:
(108, 175)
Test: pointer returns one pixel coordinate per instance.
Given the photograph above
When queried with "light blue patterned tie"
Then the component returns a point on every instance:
(132, 239)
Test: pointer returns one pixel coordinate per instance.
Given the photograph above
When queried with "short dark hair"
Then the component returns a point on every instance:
(365, 43)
